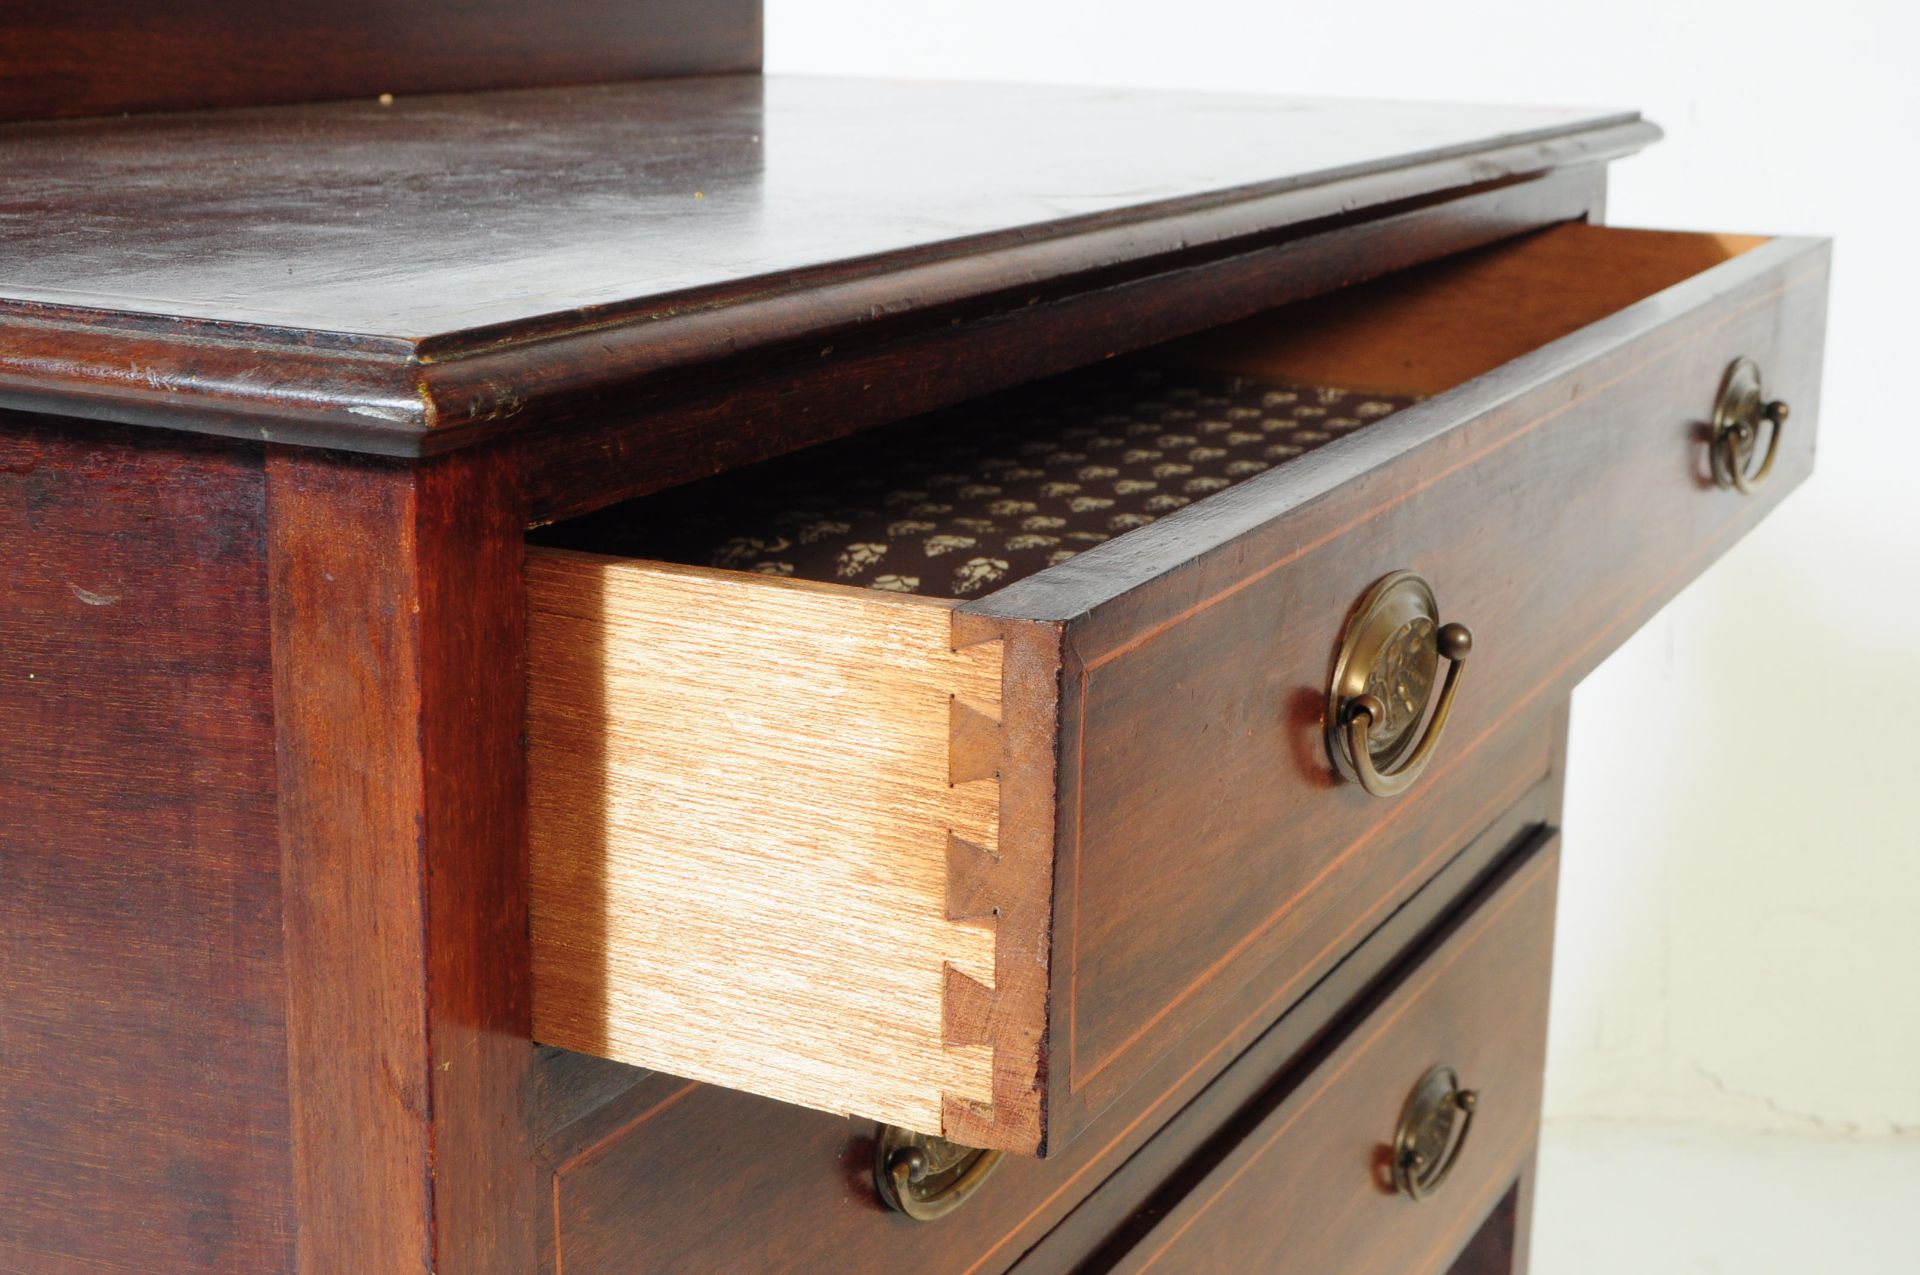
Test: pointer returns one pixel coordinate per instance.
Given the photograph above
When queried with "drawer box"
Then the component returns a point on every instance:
(972, 868)
(1313, 1186)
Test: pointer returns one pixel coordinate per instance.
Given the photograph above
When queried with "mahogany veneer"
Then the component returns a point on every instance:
(144, 1107)
(557, 262)
(335, 807)
(1478, 1003)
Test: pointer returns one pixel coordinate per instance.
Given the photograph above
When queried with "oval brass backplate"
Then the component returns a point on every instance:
(924, 1176)
(1432, 1133)
(1390, 652)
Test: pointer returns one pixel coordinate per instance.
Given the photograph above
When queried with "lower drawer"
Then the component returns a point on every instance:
(1322, 1176)
(649, 1173)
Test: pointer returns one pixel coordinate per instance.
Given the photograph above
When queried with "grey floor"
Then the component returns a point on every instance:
(1624, 1199)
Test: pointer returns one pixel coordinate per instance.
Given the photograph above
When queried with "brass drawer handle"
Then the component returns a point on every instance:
(927, 1177)
(1432, 1133)
(1382, 683)
(1738, 417)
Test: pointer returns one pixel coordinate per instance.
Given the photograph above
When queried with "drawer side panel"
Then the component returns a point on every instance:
(744, 798)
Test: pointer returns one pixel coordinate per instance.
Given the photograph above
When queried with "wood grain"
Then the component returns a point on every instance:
(1733, 303)
(606, 176)
(742, 816)
(1015, 884)
(1182, 666)
(403, 854)
(1198, 871)
(1113, 1219)
(1066, 816)
(1306, 1189)
(734, 411)
(1493, 306)
(446, 268)
(106, 57)
(636, 1174)
(1554, 504)
(144, 1122)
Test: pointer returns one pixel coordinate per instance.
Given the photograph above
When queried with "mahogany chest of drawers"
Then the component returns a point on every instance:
(730, 674)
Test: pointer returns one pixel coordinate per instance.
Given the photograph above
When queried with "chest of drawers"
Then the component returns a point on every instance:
(735, 674)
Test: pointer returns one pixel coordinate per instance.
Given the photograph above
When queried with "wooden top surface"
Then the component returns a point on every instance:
(448, 227)
(443, 214)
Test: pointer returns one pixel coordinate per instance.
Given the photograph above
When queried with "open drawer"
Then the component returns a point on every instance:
(970, 867)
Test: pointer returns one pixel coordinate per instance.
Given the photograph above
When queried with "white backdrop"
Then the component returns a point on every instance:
(1740, 934)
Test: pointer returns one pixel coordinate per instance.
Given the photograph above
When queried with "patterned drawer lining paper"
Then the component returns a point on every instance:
(963, 501)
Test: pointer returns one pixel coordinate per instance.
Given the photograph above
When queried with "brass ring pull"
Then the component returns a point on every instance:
(1382, 684)
(1432, 1133)
(927, 1177)
(1738, 417)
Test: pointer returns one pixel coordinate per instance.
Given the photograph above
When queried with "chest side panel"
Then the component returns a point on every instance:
(143, 1122)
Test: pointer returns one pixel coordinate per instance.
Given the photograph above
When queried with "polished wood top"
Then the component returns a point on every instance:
(439, 215)
(692, 217)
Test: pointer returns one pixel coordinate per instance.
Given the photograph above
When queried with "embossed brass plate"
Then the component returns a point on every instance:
(927, 1177)
(1383, 681)
(1740, 417)
(1432, 1133)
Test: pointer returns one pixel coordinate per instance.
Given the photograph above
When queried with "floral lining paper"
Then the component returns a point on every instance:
(961, 502)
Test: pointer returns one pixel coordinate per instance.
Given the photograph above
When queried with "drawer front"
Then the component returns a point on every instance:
(975, 869)
(1553, 503)
(649, 1173)
(1311, 1186)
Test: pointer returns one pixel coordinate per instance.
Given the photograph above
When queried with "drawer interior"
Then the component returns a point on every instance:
(965, 501)
(1426, 330)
